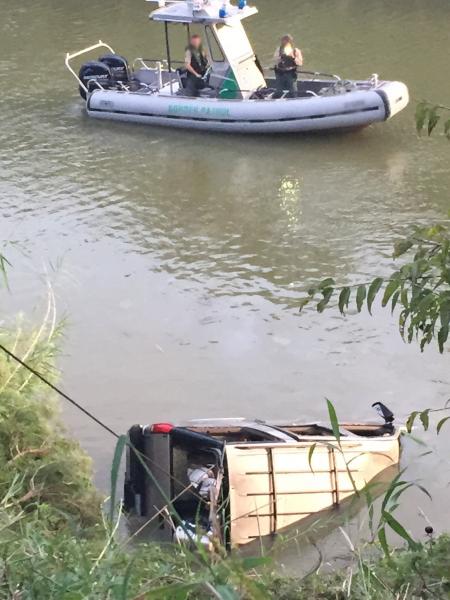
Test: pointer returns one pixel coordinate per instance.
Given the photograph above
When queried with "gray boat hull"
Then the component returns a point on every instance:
(351, 110)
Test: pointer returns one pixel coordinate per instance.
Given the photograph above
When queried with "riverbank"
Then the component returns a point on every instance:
(56, 542)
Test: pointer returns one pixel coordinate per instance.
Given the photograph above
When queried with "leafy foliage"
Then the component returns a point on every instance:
(420, 288)
(39, 466)
(429, 115)
(422, 572)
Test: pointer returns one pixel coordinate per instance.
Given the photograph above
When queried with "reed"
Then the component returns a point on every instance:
(57, 540)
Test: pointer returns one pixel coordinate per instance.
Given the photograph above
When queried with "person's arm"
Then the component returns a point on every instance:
(276, 56)
(298, 57)
(187, 64)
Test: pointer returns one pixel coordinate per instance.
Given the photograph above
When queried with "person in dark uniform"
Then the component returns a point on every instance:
(287, 58)
(196, 64)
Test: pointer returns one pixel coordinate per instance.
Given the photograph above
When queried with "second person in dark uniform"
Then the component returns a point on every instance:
(196, 64)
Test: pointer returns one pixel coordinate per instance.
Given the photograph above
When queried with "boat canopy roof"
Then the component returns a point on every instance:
(198, 11)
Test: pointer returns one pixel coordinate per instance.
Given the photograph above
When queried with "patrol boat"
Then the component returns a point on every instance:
(238, 96)
(237, 480)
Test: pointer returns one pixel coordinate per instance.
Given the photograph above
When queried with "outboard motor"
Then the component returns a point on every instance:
(386, 413)
(92, 72)
(118, 65)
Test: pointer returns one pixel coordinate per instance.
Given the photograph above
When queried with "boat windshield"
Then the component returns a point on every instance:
(234, 41)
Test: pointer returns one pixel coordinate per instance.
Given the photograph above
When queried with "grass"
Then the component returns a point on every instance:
(56, 541)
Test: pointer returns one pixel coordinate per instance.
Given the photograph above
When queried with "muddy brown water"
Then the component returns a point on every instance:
(178, 257)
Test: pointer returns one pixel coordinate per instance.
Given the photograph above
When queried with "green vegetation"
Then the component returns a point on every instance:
(419, 289)
(40, 467)
(429, 115)
(415, 574)
(56, 543)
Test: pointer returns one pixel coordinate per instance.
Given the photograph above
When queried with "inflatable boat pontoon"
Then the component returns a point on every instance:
(238, 96)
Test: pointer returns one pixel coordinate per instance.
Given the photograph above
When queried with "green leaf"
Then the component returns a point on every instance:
(326, 283)
(422, 110)
(126, 579)
(327, 293)
(424, 417)
(404, 298)
(390, 289)
(401, 247)
(433, 119)
(383, 541)
(424, 490)
(424, 341)
(395, 484)
(402, 322)
(344, 298)
(399, 529)
(371, 514)
(374, 288)
(310, 455)
(447, 128)
(303, 302)
(253, 562)
(402, 487)
(115, 469)
(226, 592)
(256, 590)
(395, 298)
(360, 297)
(334, 421)
(442, 337)
(441, 424)
(4, 263)
(410, 422)
(426, 301)
(444, 313)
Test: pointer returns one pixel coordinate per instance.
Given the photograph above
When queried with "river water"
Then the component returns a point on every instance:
(178, 258)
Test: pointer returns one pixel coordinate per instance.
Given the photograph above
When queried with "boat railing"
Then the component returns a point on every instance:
(158, 65)
(71, 55)
(315, 74)
(150, 64)
(94, 82)
(146, 63)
